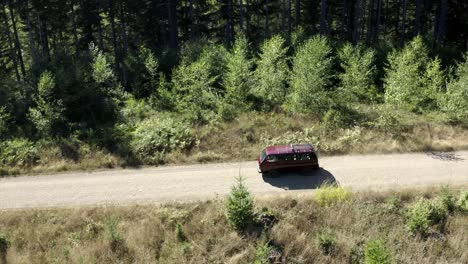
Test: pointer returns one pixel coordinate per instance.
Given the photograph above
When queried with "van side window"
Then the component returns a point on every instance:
(305, 156)
(272, 158)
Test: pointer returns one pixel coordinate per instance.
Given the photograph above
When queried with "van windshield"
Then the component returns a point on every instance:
(263, 155)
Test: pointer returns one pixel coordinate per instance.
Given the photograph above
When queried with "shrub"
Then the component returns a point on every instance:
(327, 240)
(447, 198)
(388, 121)
(454, 102)
(238, 77)
(142, 72)
(157, 136)
(48, 114)
(328, 195)
(180, 233)
(411, 77)
(424, 213)
(197, 85)
(5, 119)
(311, 76)
(272, 72)
(114, 236)
(4, 244)
(18, 152)
(357, 80)
(376, 252)
(462, 202)
(334, 119)
(101, 68)
(240, 206)
(262, 253)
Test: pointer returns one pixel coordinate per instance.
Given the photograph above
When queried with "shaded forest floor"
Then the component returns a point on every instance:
(244, 138)
(306, 229)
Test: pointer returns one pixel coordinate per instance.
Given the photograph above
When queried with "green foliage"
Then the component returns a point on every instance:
(334, 119)
(238, 78)
(240, 206)
(311, 77)
(114, 235)
(358, 76)
(197, 85)
(272, 72)
(455, 102)
(327, 240)
(447, 198)
(5, 119)
(376, 252)
(142, 72)
(462, 202)
(328, 195)
(48, 114)
(424, 213)
(180, 233)
(412, 78)
(18, 152)
(5, 244)
(262, 253)
(102, 71)
(388, 121)
(157, 136)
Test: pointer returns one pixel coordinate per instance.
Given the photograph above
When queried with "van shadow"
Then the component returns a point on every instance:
(300, 180)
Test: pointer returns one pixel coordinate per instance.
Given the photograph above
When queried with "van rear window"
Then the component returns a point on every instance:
(288, 157)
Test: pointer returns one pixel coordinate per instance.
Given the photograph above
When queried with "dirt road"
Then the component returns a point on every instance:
(194, 182)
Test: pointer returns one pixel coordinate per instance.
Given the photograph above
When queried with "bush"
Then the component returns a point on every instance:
(462, 202)
(155, 137)
(357, 80)
(262, 253)
(272, 72)
(18, 152)
(180, 234)
(197, 86)
(334, 119)
(4, 245)
(311, 77)
(114, 236)
(454, 102)
(240, 206)
(388, 121)
(424, 213)
(411, 78)
(329, 195)
(238, 77)
(376, 252)
(447, 198)
(327, 241)
(48, 114)
(5, 119)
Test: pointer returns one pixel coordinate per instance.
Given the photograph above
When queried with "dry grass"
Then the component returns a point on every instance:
(148, 232)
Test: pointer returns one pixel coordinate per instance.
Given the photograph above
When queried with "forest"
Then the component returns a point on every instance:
(104, 83)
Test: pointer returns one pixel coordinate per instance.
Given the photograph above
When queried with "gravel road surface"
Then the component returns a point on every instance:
(205, 181)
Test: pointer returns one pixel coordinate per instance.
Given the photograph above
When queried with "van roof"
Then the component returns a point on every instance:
(289, 149)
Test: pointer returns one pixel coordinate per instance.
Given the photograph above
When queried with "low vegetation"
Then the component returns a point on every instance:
(370, 228)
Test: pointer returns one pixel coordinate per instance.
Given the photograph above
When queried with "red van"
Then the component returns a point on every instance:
(287, 156)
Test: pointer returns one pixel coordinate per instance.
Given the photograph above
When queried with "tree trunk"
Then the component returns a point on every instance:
(369, 22)
(323, 17)
(357, 16)
(267, 19)
(98, 15)
(297, 6)
(173, 27)
(442, 20)
(192, 20)
(10, 43)
(403, 23)
(247, 15)
(75, 28)
(283, 16)
(44, 37)
(124, 28)
(17, 41)
(379, 14)
(344, 19)
(417, 18)
(241, 15)
(289, 18)
(32, 44)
